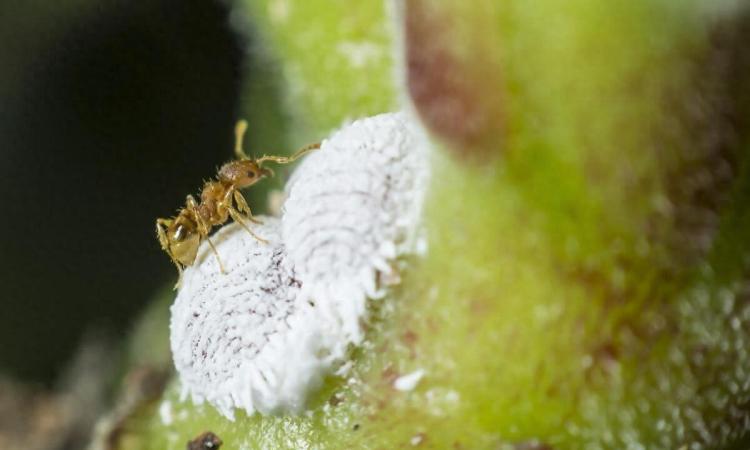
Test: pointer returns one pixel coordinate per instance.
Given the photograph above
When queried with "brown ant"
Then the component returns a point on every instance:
(220, 199)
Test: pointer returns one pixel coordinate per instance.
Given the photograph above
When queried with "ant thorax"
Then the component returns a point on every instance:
(211, 194)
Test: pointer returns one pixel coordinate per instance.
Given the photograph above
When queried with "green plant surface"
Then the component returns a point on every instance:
(336, 60)
(585, 285)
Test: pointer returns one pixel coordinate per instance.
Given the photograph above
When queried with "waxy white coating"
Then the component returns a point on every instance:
(262, 336)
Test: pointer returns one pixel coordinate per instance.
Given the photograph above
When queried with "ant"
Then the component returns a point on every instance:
(220, 199)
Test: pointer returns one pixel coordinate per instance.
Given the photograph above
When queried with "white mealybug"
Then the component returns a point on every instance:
(242, 339)
(262, 335)
(352, 208)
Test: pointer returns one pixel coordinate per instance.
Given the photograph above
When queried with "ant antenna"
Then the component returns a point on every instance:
(287, 159)
(239, 134)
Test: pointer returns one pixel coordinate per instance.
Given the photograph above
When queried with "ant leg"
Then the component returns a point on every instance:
(204, 229)
(240, 220)
(239, 134)
(161, 234)
(216, 254)
(164, 241)
(244, 208)
(192, 205)
(179, 277)
(226, 205)
(233, 194)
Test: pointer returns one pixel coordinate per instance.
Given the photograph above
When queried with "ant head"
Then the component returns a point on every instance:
(243, 173)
